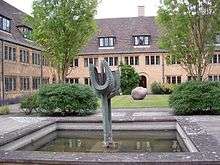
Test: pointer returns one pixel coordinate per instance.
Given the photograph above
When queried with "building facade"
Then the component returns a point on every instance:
(22, 67)
(133, 41)
(130, 41)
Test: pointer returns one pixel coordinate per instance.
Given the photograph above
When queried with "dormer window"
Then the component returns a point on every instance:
(25, 31)
(106, 42)
(142, 40)
(5, 24)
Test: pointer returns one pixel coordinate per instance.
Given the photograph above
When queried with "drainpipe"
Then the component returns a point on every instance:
(2, 73)
(163, 69)
(41, 68)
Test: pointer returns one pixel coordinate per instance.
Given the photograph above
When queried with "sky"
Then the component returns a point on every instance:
(106, 8)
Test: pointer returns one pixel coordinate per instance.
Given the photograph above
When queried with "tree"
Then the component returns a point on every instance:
(62, 28)
(129, 79)
(188, 32)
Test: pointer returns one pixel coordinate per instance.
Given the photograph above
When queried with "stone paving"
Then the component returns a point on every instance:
(17, 120)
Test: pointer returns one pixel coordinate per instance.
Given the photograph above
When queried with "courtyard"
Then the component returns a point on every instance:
(203, 131)
(88, 82)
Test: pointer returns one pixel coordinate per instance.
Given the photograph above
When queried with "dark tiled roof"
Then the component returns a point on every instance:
(16, 17)
(124, 29)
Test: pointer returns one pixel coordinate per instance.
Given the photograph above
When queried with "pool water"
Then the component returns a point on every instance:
(125, 142)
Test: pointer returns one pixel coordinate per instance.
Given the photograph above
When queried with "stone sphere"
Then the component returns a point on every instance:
(139, 93)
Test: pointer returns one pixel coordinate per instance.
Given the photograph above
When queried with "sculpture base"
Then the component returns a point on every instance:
(110, 145)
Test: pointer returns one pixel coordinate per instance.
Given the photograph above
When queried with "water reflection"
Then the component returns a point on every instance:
(125, 141)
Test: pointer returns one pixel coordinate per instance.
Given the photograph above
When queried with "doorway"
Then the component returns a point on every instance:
(143, 82)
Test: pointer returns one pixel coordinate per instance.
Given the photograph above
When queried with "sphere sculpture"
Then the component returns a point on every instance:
(106, 85)
(139, 93)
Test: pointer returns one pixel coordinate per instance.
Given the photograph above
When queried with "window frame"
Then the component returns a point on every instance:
(7, 22)
(106, 42)
(136, 40)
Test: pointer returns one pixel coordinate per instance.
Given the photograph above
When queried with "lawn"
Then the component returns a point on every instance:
(151, 101)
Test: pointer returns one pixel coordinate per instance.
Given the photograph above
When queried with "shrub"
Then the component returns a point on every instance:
(4, 110)
(29, 103)
(156, 88)
(196, 97)
(66, 100)
(168, 88)
(162, 88)
(129, 79)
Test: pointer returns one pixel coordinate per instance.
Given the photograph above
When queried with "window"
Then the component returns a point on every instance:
(72, 80)
(24, 56)
(173, 79)
(106, 41)
(116, 61)
(142, 40)
(10, 83)
(5, 24)
(191, 78)
(147, 61)
(36, 83)
(36, 59)
(152, 60)
(46, 80)
(172, 60)
(44, 61)
(10, 53)
(215, 59)
(25, 31)
(112, 61)
(88, 61)
(76, 62)
(214, 77)
(157, 60)
(132, 60)
(24, 83)
(126, 61)
(87, 81)
(217, 41)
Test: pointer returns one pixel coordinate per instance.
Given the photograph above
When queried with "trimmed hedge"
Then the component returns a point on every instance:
(66, 100)
(196, 98)
(162, 88)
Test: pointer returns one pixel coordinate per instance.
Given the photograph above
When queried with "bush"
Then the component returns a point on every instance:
(4, 110)
(29, 103)
(129, 79)
(196, 97)
(162, 88)
(66, 100)
(156, 88)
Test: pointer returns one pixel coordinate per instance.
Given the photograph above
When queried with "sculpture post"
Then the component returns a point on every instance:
(106, 85)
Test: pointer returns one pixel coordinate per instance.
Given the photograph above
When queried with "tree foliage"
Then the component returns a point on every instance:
(62, 28)
(188, 32)
(129, 79)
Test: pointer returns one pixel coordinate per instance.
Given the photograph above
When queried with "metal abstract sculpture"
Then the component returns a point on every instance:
(106, 85)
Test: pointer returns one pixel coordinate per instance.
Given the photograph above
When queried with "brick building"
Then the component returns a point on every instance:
(132, 41)
(23, 68)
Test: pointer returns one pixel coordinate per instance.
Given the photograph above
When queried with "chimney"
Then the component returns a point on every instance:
(141, 11)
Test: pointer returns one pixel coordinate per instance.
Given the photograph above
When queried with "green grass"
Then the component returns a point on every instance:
(151, 101)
